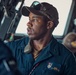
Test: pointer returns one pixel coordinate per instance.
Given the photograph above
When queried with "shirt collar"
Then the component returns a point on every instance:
(28, 48)
(52, 44)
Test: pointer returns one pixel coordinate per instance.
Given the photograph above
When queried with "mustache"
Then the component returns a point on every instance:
(29, 28)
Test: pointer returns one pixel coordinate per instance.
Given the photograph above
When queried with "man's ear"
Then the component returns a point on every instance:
(50, 24)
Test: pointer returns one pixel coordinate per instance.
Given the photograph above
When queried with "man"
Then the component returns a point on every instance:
(8, 64)
(70, 42)
(40, 53)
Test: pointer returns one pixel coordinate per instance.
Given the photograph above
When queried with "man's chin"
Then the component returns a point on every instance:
(31, 36)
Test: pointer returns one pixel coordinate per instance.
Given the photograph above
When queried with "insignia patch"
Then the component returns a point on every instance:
(53, 66)
(49, 65)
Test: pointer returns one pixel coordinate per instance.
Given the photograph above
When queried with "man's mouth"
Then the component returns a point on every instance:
(29, 31)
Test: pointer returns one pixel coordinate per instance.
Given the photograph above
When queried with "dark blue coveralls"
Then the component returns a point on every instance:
(8, 64)
(54, 59)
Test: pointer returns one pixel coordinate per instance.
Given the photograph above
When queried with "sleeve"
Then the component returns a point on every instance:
(17, 46)
(8, 64)
(13, 45)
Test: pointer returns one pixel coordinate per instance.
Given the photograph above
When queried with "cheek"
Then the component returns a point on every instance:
(40, 29)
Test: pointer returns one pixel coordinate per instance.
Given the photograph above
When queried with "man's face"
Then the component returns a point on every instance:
(37, 27)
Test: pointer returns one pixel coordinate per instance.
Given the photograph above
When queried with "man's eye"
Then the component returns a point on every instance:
(35, 20)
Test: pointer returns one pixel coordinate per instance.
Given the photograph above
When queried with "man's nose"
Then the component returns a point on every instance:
(29, 24)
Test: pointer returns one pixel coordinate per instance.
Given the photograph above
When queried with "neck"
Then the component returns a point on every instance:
(41, 43)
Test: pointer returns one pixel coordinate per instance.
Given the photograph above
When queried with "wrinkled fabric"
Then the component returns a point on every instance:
(54, 59)
(8, 64)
